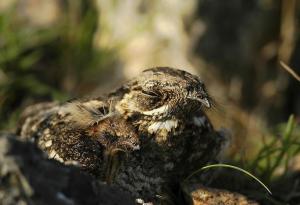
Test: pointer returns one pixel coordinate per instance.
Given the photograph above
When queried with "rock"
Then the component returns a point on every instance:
(197, 194)
(28, 177)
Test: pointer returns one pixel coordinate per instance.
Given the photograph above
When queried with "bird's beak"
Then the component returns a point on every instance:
(204, 101)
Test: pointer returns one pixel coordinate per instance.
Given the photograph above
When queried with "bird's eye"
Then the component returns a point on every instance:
(103, 110)
(150, 94)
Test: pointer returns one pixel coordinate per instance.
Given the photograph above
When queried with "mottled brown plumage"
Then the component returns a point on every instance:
(80, 133)
(156, 119)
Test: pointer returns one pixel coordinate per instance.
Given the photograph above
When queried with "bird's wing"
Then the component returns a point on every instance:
(33, 115)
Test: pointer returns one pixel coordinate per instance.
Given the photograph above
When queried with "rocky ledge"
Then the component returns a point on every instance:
(28, 177)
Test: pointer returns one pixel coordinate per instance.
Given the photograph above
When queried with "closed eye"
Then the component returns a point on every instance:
(150, 94)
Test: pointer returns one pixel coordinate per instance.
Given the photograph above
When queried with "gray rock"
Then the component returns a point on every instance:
(28, 177)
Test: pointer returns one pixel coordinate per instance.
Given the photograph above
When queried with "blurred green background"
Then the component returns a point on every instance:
(63, 49)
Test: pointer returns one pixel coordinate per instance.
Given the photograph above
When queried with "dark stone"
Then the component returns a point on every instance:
(28, 177)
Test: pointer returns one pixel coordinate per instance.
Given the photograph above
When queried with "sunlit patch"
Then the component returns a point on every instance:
(126, 105)
(54, 155)
(48, 143)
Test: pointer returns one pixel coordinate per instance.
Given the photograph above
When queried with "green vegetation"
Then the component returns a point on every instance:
(48, 63)
(271, 167)
(277, 153)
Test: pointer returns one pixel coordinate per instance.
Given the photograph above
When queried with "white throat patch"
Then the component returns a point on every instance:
(162, 125)
(161, 110)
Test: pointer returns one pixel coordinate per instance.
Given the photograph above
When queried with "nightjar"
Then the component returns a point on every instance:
(146, 137)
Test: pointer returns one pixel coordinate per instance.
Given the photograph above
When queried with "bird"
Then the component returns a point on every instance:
(145, 137)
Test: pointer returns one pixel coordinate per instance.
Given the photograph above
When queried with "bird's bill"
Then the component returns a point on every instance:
(204, 101)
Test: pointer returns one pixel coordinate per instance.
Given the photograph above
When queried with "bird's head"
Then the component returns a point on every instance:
(160, 99)
(162, 93)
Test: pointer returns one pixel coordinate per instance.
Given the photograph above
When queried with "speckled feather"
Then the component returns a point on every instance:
(60, 134)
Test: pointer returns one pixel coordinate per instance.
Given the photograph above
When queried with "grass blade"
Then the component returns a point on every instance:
(231, 167)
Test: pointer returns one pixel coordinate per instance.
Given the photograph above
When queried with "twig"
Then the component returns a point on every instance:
(289, 70)
(287, 29)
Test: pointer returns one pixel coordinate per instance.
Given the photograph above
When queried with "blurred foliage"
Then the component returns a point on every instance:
(276, 165)
(278, 151)
(48, 63)
(245, 40)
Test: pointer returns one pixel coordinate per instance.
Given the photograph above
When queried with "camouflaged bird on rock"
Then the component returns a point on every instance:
(145, 137)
